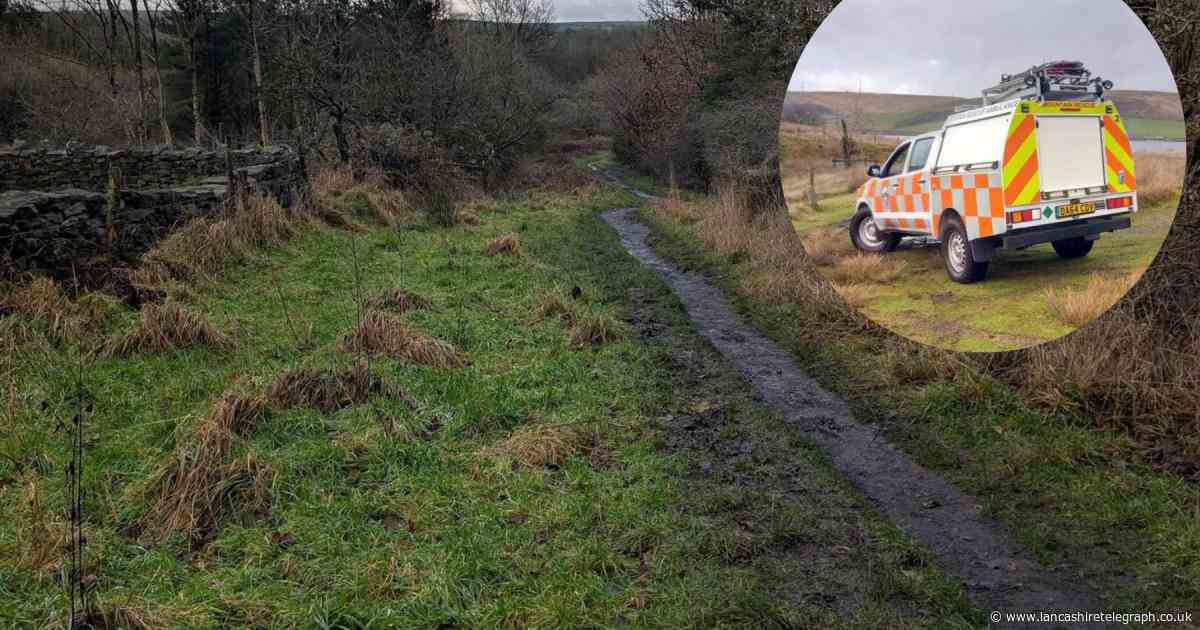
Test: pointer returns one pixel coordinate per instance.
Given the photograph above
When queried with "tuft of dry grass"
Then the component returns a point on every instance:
(507, 245)
(198, 486)
(384, 334)
(826, 246)
(867, 268)
(43, 537)
(42, 299)
(596, 330)
(398, 301)
(554, 306)
(1080, 306)
(856, 295)
(543, 445)
(327, 391)
(673, 206)
(164, 327)
(125, 616)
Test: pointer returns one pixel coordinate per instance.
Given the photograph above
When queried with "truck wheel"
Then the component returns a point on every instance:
(1073, 247)
(867, 237)
(956, 252)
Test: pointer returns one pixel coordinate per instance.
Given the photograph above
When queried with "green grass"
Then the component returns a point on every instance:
(1067, 491)
(925, 305)
(1155, 128)
(425, 528)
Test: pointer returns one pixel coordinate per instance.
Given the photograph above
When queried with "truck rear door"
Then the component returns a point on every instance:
(1071, 153)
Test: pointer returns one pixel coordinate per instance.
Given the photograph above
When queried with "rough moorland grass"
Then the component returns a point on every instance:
(397, 300)
(387, 335)
(1061, 457)
(328, 391)
(200, 484)
(316, 519)
(165, 327)
(1080, 306)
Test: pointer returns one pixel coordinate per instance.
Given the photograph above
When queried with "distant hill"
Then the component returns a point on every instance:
(1151, 114)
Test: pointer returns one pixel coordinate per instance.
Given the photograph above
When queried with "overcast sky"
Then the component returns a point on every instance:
(591, 10)
(959, 47)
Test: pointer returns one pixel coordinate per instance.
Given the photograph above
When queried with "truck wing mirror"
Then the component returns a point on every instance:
(873, 170)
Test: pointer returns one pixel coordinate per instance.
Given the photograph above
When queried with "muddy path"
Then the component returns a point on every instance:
(997, 573)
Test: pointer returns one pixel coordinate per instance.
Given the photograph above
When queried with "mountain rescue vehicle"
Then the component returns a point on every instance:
(1046, 159)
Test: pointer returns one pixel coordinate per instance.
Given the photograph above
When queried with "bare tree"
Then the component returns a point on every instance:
(321, 65)
(168, 137)
(519, 25)
(251, 12)
(189, 18)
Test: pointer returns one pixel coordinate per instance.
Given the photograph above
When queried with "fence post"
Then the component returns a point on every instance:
(812, 188)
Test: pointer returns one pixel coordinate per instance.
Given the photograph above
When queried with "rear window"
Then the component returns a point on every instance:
(974, 142)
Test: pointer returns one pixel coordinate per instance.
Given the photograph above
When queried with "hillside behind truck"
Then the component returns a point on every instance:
(1046, 159)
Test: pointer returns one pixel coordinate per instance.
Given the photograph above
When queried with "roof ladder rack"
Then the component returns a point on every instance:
(1054, 81)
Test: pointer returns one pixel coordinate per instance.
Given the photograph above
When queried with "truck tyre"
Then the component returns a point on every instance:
(867, 237)
(956, 253)
(1073, 247)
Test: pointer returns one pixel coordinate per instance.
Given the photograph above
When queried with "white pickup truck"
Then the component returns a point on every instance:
(1008, 175)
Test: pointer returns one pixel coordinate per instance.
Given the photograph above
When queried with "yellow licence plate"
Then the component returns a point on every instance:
(1075, 209)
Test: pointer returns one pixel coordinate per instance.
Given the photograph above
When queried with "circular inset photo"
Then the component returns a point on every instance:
(980, 178)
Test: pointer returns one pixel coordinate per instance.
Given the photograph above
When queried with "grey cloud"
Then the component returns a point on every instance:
(597, 10)
(957, 47)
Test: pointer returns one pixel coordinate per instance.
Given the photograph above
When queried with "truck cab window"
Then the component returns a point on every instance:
(895, 164)
(920, 154)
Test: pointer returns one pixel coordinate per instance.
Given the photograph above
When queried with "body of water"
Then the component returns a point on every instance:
(1170, 146)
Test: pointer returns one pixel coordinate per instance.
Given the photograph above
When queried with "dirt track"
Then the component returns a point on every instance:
(997, 573)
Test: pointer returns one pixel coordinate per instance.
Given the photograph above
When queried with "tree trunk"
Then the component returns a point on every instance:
(339, 136)
(138, 68)
(168, 137)
(197, 119)
(258, 83)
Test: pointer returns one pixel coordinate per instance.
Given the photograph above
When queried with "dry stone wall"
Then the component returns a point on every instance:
(55, 208)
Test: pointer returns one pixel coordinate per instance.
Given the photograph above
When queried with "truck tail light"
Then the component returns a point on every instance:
(1021, 216)
(1119, 202)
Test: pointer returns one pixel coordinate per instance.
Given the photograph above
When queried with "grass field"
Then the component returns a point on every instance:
(497, 461)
